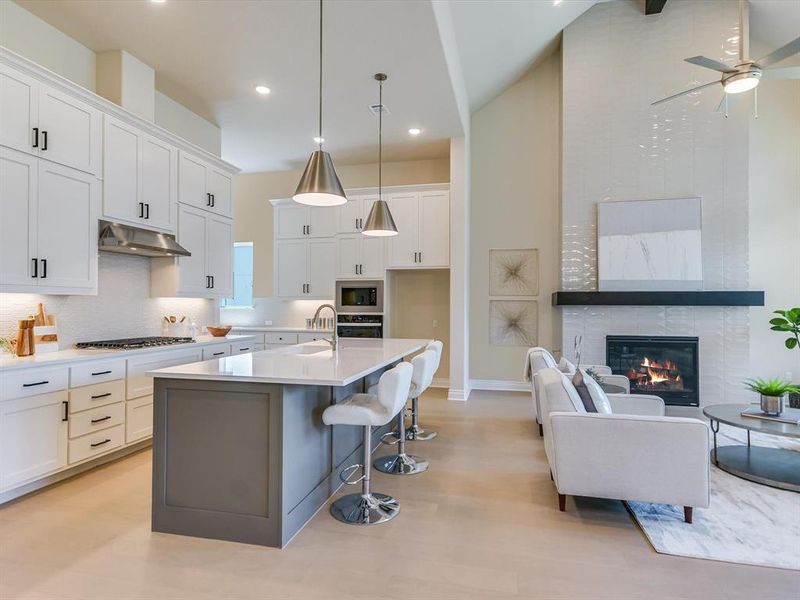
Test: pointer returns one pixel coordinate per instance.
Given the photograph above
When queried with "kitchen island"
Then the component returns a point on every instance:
(240, 451)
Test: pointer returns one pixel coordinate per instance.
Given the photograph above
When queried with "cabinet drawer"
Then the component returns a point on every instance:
(96, 419)
(139, 384)
(243, 347)
(138, 419)
(258, 337)
(216, 351)
(99, 394)
(31, 382)
(96, 372)
(95, 444)
(302, 338)
(280, 338)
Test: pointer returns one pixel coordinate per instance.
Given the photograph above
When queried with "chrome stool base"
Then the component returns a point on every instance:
(401, 464)
(361, 509)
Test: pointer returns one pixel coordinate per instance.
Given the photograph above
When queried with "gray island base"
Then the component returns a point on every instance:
(240, 452)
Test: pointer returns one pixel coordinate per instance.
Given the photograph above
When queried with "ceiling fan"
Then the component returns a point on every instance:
(747, 73)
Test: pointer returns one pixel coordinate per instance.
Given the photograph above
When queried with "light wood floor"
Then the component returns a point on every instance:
(483, 522)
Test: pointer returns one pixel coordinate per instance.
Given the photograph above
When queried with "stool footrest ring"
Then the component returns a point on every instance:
(388, 434)
(345, 473)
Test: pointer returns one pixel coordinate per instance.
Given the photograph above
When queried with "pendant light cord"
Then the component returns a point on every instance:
(320, 74)
(380, 140)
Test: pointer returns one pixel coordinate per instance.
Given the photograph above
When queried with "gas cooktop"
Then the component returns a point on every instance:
(133, 343)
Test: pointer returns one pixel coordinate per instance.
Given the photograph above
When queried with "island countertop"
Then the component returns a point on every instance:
(312, 363)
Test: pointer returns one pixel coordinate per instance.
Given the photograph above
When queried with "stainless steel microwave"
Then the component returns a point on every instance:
(359, 296)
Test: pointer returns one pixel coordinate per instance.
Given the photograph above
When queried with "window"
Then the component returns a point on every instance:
(242, 277)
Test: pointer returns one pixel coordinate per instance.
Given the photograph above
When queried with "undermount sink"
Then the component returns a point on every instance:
(307, 349)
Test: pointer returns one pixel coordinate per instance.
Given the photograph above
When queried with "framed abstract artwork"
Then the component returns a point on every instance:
(513, 323)
(514, 272)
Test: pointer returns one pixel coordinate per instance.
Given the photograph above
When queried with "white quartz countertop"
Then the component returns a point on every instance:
(313, 363)
(270, 328)
(74, 355)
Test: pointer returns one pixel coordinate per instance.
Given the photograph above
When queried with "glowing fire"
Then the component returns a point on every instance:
(656, 373)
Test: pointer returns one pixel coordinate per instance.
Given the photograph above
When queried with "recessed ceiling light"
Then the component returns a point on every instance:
(158, 1)
(263, 90)
(319, 140)
(415, 131)
(556, 2)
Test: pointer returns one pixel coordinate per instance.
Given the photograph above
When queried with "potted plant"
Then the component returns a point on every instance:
(772, 393)
(788, 322)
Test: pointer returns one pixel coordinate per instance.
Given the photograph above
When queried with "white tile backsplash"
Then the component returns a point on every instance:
(616, 61)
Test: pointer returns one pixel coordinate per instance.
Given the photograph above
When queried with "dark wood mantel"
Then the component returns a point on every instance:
(710, 298)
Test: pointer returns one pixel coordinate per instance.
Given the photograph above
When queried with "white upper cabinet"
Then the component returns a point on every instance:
(204, 186)
(48, 219)
(353, 215)
(295, 221)
(423, 224)
(140, 177)
(320, 268)
(19, 108)
(360, 256)
(208, 272)
(305, 268)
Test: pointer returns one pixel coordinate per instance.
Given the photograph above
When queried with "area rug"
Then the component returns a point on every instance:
(746, 522)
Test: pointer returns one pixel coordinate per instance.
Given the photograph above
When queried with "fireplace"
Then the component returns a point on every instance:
(664, 366)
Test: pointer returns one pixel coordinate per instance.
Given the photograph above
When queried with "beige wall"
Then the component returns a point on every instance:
(178, 119)
(775, 223)
(515, 204)
(420, 308)
(253, 213)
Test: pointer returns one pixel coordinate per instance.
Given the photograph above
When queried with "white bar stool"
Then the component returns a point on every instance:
(415, 432)
(402, 463)
(367, 410)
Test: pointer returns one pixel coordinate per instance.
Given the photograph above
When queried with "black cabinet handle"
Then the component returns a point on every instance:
(106, 395)
(105, 441)
(308, 288)
(212, 281)
(147, 211)
(44, 140)
(35, 268)
(208, 199)
(35, 137)
(101, 373)
(46, 381)
(141, 210)
(65, 406)
(44, 267)
(243, 349)
(213, 200)
(218, 353)
(101, 419)
(420, 257)
(356, 223)
(208, 282)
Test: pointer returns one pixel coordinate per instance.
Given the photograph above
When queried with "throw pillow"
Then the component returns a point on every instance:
(566, 366)
(592, 395)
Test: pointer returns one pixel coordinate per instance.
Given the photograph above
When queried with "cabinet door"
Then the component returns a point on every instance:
(434, 229)
(290, 221)
(349, 215)
(322, 221)
(321, 268)
(33, 438)
(66, 227)
(121, 194)
(18, 110)
(192, 236)
(18, 195)
(220, 255)
(347, 255)
(138, 419)
(192, 181)
(159, 182)
(290, 268)
(372, 262)
(404, 246)
(73, 131)
(220, 187)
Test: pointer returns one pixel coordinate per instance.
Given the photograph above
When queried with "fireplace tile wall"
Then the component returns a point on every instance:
(617, 147)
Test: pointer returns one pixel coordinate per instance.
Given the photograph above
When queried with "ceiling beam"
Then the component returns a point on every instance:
(653, 7)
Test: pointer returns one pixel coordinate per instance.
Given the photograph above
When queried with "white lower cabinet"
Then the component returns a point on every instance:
(95, 444)
(95, 419)
(216, 351)
(138, 419)
(33, 437)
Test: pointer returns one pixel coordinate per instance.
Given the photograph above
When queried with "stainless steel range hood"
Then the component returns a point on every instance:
(126, 239)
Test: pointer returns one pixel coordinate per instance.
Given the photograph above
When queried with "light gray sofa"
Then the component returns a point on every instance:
(540, 358)
(636, 453)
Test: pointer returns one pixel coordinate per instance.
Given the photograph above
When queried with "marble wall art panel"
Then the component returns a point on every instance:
(513, 323)
(650, 245)
(514, 272)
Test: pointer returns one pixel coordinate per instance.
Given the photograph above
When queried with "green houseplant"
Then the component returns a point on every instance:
(788, 322)
(772, 393)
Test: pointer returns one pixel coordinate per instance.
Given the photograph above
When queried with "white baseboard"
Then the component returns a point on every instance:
(440, 382)
(458, 395)
(500, 385)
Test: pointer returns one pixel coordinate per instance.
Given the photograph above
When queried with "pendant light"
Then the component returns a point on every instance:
(380, 222)
(319, 185)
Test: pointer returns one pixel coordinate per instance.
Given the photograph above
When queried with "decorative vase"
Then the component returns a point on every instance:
(772, 405)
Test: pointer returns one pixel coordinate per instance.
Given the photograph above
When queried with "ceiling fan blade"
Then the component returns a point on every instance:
(710, 63)
(781, 53)
(683, 93)
(781, 73)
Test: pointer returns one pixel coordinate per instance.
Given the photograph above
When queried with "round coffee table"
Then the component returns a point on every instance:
(775, 467)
